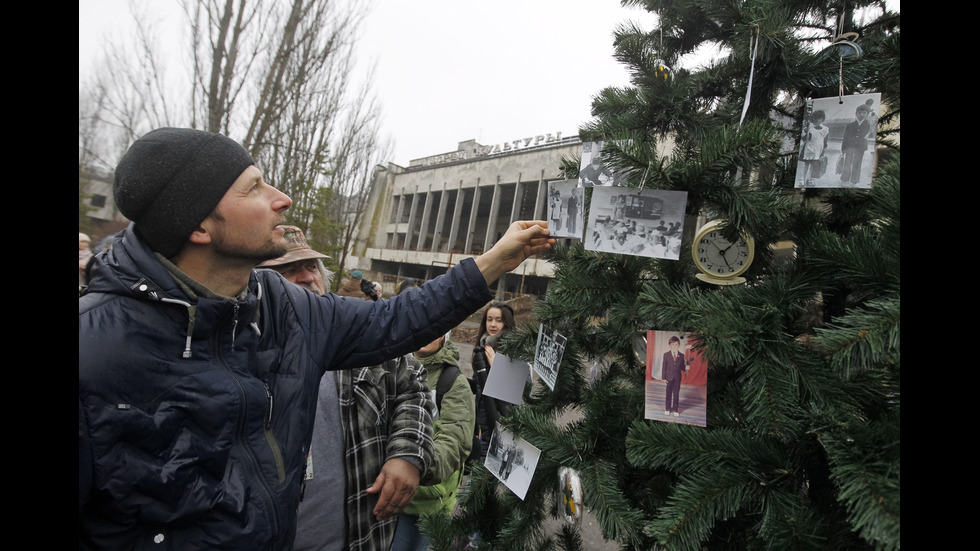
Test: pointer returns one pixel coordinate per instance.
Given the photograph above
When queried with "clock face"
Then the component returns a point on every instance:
(720, 258)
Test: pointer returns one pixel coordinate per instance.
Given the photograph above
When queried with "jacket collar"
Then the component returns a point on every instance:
(130, 268)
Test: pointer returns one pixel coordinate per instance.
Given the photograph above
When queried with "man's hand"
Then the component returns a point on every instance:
(522, 240)
(397, 483)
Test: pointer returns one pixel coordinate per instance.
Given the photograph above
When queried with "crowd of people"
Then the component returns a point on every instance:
(243, 405)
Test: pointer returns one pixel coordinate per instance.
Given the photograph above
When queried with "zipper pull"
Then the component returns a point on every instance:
(234, 325)
(268, 413)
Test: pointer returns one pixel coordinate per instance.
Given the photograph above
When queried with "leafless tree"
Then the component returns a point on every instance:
(279, 76)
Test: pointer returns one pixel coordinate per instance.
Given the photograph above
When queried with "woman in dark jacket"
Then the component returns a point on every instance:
(497, 321)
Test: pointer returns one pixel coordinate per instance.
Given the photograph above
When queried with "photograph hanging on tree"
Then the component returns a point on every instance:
(565, 208)
(648, 222)
(506, 379)
(837, 145)
(676, 380)
(512, 460)
(548, 354)
(593, 172)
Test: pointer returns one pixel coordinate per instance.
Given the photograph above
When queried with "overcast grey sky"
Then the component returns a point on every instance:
(453, 70)
(491, 71)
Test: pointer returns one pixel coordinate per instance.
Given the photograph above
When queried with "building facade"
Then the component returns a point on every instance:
(425, 218)
(102, 218)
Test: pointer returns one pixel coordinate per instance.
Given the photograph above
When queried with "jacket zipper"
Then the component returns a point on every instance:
(249, 461)
(271, 437)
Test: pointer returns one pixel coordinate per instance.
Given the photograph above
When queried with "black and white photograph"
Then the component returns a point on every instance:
(676, 379)
(837, 144)
(548, 354)
(593, 172)
(507, 379)
(565, 209)
(647, 222)
(512, 460)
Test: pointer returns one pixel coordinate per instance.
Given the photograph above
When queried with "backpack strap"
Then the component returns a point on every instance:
(446, 380)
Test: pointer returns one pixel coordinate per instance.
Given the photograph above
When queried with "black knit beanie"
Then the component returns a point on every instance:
(171, 179)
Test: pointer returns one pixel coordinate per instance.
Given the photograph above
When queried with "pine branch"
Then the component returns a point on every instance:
(689, 449)
(788, 522)
(801, 447)
(570, 539)
(859, 262)
(698, 502)
(865, 338)
(439, 529)
(604, 498)
(865, 460)
(885, 207)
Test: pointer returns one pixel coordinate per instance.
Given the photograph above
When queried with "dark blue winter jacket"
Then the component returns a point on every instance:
(195, 414)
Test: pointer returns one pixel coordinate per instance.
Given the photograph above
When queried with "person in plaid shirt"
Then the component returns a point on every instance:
(372, 436)
(454, 421)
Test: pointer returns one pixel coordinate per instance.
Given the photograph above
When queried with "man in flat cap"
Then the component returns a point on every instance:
(198, 374)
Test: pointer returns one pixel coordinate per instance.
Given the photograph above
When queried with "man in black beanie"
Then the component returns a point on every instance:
(198, 374)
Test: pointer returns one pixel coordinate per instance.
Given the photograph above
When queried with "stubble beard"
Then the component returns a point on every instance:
(224, 244)
(250, 254)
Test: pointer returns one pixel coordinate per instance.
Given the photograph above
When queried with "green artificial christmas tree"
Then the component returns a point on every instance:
(801, 444)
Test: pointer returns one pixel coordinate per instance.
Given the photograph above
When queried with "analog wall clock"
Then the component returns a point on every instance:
(719, 260)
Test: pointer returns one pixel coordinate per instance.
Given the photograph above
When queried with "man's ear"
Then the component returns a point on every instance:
(202, 235)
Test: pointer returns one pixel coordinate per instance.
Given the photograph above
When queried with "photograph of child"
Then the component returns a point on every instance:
(837, 145)
(647, 222)
(565, 206)
(676, 380)
(814, 144)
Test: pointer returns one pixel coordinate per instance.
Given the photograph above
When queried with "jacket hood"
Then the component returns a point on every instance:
(448, 354)
(351, 285)
(130, 268)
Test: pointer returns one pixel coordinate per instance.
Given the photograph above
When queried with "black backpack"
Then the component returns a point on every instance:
(446, 380)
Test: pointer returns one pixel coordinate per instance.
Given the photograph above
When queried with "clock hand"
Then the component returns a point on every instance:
(725, 259)
(723, 251)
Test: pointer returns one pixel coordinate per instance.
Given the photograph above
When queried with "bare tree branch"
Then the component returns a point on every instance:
(282, 77)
